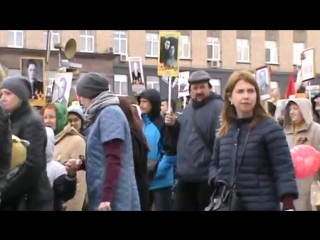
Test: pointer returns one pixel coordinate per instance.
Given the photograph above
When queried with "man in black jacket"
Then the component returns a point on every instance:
(28, 189)
(5, 147)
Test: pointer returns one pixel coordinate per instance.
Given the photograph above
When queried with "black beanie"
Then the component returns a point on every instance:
(91, 85)
(18, 85)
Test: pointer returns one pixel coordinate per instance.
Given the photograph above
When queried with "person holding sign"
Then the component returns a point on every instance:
(196, 129)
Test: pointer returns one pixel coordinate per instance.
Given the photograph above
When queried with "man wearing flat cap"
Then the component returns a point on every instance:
(195, 130)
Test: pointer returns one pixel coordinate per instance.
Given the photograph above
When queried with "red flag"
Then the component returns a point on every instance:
(290, 87)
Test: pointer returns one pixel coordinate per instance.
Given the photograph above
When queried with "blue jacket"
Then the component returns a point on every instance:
(155, 132)
(266, 172)
(164, 175)
(109, 125)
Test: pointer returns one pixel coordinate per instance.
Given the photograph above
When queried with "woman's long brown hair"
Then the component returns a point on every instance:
(229, 111)
(134, 123)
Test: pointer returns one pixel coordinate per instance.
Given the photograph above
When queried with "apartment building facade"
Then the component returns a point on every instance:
(217, 51)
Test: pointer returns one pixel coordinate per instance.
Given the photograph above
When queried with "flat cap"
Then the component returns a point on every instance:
(199, 76)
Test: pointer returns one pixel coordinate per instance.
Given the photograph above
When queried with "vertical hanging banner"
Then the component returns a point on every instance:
(183, 84)
(62, 87)
(136, 74)
(168, 59)
(34, 69)
(308, 65)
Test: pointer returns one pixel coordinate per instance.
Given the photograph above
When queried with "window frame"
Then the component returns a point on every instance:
(273, 47)
(244, 44)
(153, 80)
(184, 40)
(117, 37)
(153, 38)
(215, 82)
(56, 34)
(15, 32)
(120, 78)
(211, 41)
(297, 53)
(86, 36)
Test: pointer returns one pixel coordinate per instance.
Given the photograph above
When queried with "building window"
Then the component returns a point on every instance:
(15, 38)
(184, 47)
(298, 48)
(213, 49)
(271, 52)
(216, 86)
(243, 53)
(87, 41)
(153, 83)
(55, 38)
(14, 72)
(120, 42)
(120, 84)
(152, 44)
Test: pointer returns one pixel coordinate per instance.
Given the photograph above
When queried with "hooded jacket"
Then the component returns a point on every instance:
(160, 149)
(63, 186)
(311, 131)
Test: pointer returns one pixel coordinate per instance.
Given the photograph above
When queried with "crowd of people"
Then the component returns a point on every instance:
(112, 154)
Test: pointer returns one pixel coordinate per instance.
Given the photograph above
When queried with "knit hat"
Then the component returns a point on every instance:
(76, 110)
(18, 85)
(91, 85)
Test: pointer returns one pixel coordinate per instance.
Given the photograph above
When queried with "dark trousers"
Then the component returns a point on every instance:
(192, 196)
(161, 198)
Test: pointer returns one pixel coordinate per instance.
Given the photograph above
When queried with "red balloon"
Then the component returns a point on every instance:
(306, 160)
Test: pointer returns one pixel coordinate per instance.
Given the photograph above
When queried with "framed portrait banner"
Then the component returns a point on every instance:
(34, 69)
(308, 65)
(62, 87)
(263, 79)
(168, 58)
(183, 84)
(136, 74)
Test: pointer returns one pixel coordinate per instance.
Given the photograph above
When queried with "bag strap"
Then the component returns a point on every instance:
(201, 134)
(241, 160)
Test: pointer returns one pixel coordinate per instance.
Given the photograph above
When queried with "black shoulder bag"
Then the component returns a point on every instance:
(201, 134)
(225, 198)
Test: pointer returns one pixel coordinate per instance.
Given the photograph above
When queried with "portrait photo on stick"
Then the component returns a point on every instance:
(61, 88)
(263, 80)
(33, 69)
(136, 74)
(168, 60)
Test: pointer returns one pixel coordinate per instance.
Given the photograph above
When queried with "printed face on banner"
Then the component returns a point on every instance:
(61, 88)
(183, 84)
(136, 74)
(263, 80)
(168, 60)
(307, 65)
(33, 69)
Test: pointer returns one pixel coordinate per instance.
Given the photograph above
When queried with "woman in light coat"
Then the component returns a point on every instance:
(69, 143)
(299, 125)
